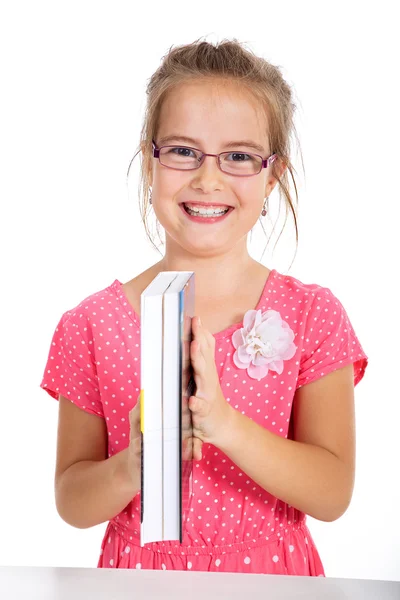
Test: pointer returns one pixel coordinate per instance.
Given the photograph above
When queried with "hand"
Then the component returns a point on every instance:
(211, 413)
(135, 441)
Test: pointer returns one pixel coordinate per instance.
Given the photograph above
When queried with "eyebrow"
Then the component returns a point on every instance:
(234, 144)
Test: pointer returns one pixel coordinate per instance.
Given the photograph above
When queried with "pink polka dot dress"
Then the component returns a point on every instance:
(233, 524)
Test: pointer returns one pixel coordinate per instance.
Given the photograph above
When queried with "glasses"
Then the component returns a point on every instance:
(183, 158)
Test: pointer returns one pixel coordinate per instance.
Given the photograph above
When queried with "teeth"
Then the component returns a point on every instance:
(206, 211)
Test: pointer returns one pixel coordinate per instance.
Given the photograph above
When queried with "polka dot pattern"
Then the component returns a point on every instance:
(232, 523)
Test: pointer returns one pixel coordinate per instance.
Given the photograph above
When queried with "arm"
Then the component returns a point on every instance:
(315, 471)
(89, 487)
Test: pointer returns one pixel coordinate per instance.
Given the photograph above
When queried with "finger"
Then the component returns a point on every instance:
(134, 417)
(135, 411)
(197, 449)
(186, 420)
(192, 449)
(196, 349)
(197, 357)
(198, 406)
(200, 331)
(196, 323)
(187, 449)
(192, 403)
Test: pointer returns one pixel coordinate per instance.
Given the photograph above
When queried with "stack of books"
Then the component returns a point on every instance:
(167, 309)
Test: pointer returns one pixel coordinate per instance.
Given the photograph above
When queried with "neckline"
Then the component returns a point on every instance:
(117, 285)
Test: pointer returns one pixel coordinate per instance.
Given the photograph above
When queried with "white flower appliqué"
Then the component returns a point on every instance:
(263, 343)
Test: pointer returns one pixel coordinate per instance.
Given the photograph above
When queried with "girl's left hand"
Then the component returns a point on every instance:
(211, 413)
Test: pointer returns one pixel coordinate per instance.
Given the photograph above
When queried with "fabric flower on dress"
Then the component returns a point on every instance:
(263, 343)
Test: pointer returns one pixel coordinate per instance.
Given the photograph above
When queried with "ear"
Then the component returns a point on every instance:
(280, 167)
(271, 182)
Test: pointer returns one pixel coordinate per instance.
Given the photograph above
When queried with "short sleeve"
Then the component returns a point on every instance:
(70, 370)
(330, 341)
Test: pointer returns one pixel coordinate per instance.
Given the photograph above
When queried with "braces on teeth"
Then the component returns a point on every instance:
(205, 212)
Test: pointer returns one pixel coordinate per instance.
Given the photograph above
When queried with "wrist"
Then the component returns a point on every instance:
(127, 471)
(228, 432)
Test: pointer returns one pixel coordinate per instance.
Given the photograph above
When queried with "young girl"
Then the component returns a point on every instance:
(275, 360)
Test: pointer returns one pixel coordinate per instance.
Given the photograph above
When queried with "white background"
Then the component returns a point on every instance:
(73, 78)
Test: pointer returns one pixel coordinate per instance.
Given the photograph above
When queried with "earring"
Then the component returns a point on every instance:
(150, 199)
(264, 210)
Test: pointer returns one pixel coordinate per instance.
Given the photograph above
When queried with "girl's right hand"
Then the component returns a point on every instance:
(135, 440)
(191, 447)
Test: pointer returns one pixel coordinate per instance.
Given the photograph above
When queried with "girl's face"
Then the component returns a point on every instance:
(213, 115)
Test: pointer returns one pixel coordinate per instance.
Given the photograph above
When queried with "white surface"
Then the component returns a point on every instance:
(73, 77)
(114, 584)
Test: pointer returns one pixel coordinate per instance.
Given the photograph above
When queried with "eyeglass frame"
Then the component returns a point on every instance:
(265, 162)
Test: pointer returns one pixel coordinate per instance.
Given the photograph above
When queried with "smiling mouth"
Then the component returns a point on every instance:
(206, 212)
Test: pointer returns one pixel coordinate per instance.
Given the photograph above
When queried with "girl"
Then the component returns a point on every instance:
(275, 360)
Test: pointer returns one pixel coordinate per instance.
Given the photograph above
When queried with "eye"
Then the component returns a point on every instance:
(239, 156)
(183, 151)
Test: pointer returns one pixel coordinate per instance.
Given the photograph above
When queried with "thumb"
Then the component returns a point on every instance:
(134, 419)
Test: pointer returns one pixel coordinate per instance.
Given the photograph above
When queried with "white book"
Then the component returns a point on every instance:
(167, 307)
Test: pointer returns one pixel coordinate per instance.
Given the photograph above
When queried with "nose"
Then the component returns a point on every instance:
(208, 176)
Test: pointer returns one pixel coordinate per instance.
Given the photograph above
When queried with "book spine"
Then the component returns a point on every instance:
(141, 455)
(181, 338)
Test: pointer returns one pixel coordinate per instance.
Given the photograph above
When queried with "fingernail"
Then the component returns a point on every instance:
(199, 321)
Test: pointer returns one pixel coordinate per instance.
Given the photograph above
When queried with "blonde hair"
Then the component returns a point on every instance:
(227, 60)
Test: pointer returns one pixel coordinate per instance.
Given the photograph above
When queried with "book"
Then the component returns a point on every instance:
(167, 309)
